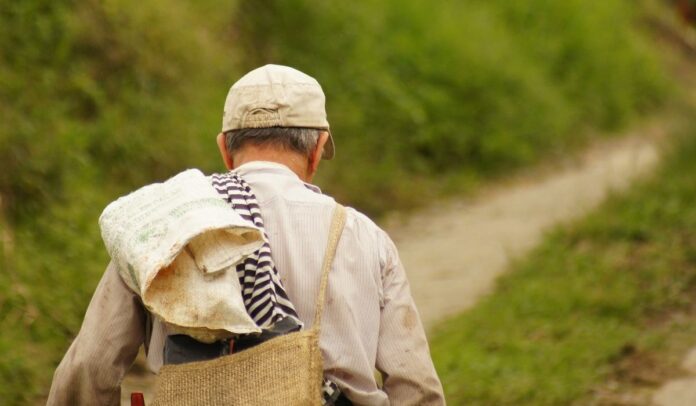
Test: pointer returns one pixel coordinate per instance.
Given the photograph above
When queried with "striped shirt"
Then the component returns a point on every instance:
(370, 320)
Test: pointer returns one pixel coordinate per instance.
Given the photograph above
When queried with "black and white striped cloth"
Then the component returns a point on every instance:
(262, 290)
(263, 293)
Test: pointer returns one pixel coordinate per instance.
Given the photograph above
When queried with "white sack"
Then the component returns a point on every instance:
(176, 244)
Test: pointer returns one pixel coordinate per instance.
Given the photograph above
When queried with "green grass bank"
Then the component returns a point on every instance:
(592, 293)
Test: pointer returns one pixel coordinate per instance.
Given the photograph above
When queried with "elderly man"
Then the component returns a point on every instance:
(274, 135)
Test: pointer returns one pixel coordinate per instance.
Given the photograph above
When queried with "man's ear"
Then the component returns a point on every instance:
(316, 155)
(226, 158)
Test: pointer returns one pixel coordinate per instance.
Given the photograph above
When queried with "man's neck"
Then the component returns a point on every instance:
(294, 161)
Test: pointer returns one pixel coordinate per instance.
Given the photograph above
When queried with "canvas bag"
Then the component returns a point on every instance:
(286, 370)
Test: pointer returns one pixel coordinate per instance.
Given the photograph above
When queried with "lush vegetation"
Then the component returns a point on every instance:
(462, 88)
(591, 294)
(99, 97)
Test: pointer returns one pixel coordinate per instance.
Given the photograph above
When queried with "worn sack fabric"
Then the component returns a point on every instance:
(286, 370)
(177, 244)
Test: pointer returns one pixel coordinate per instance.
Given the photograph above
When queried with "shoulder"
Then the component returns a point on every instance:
(372, 238)
(358, 221)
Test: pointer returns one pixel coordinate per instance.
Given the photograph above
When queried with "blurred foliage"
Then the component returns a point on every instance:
(418, 91)
(556, 325)
(98, 97)
(104, 87)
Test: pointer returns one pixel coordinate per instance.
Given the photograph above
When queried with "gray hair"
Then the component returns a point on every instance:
(302, 140)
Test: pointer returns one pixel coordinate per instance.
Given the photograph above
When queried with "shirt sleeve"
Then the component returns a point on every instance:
(403, 356)
(107, 344)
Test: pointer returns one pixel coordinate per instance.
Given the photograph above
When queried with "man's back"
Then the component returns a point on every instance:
(369, 318)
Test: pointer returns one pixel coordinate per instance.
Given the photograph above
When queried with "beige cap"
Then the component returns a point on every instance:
(277, 96)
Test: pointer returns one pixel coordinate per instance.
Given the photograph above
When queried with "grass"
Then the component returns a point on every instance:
(590, 294)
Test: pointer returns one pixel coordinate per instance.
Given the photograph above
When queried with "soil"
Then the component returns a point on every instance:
(453, 252)
(680, 391)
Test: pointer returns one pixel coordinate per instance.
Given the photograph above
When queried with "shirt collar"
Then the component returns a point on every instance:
(271, 168)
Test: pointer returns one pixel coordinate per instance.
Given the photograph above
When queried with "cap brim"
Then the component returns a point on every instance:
(329, 148)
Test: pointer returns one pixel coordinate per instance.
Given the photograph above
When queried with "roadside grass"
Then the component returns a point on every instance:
(644, 366)
(592, 295)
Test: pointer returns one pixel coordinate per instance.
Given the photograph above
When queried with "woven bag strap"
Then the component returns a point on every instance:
(337, 223)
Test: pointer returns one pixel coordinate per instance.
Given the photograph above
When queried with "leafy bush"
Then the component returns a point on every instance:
(104, 87)
(424, 91)
(585, 48)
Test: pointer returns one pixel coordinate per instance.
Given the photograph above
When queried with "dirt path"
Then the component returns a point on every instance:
(682, 391)
(453, 252)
